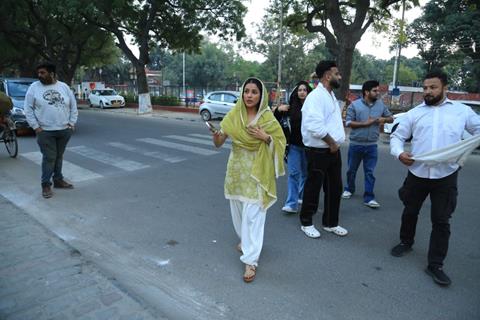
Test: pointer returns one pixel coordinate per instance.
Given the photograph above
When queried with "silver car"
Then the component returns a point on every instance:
(217, 104)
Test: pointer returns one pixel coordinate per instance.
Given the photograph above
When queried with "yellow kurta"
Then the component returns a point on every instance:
(253, 165)
(239, 184)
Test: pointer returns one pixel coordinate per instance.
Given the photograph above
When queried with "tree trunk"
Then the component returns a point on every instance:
(344, 62)
(144, 102)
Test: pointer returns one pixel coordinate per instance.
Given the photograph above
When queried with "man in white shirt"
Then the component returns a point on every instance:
(51, 110)
(322, 133)
(436, 123)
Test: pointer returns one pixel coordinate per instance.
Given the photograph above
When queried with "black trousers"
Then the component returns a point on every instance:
(443, 196)
(323, 168)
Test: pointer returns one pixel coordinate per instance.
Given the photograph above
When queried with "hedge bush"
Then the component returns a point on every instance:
(159, 100)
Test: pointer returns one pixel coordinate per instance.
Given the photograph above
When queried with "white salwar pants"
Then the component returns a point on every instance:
(249, 222)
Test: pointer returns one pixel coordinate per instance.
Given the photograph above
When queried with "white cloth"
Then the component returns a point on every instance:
(434, 128)
(249, 223)
(455, 153)
(321, 115)
(51, 107)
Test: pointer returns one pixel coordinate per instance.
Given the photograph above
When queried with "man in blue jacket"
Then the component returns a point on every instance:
(365, 116)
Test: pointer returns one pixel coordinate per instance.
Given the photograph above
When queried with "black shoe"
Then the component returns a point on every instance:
(438, 275)
(62, 184)
(400, 249)
(47, 192)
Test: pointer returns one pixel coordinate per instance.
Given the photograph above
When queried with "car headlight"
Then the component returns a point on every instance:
(18, 111)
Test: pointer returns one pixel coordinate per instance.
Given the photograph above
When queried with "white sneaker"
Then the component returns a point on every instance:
(372, 204)
(310, 231)
(346, 194)
(300, 201)
(339, 231)
(289, 209)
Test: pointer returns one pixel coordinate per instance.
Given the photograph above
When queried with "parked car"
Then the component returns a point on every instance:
(217, 104)
(389, 128)
(16, 89)
(106, 98)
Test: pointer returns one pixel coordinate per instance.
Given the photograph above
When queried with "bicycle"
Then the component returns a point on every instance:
(9, 135)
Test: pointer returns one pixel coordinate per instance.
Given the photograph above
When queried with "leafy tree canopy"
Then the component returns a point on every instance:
(36, 30)
(446, 36)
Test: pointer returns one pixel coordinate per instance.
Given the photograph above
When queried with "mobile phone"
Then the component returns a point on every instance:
(211, 127)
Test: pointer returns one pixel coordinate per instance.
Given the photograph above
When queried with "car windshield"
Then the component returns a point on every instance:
(107, 92)
(18, 88)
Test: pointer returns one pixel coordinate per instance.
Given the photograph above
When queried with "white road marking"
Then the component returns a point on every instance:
(195, 140)
(103, 157)
(178, 146)
(71, 171)
(154, 154)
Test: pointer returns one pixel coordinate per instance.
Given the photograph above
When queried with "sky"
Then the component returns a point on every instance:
(371, 43)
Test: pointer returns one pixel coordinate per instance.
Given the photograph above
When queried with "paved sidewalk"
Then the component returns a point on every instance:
(42, 277)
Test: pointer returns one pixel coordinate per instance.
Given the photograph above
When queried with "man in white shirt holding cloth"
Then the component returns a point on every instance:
(434, 124)
(322, 133)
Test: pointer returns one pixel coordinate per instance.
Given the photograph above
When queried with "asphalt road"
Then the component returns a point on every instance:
(148, 209)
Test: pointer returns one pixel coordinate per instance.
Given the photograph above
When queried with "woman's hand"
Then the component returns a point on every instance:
(259, 133)
(218, 138)
(283, 107)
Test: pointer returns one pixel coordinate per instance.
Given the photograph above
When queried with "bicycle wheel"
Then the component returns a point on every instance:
(10, 139)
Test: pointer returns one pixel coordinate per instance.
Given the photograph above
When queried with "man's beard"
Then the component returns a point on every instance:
(334, 84)
(46, 80)
(373, 99)
(432, 100)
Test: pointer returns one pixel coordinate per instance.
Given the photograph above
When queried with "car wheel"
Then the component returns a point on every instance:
(101, 105)
(206, 116)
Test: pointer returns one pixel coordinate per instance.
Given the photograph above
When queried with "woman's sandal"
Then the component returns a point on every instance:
(250, 272)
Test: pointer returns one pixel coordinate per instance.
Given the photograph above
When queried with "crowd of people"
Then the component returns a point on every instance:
(307, 134)
(309, 131)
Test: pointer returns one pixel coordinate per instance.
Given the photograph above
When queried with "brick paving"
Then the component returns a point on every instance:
(42, 277)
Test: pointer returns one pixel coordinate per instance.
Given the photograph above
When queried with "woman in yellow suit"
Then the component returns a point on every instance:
(256, 160)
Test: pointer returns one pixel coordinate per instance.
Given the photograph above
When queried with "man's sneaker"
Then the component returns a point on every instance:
(310, 231)
(346, 194)
(62, 184)
(300, 201)
(372, 204)
(289, 209)
(47, 192)
(438, 275)
(400, 249)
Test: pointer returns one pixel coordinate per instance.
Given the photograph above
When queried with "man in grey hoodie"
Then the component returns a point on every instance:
(51, 110)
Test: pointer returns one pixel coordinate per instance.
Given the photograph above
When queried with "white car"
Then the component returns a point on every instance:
(389, 128)
(106, 98)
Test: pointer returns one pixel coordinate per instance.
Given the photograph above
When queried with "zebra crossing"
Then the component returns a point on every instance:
(170, 149)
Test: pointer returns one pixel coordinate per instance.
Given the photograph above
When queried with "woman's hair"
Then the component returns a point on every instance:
(259, 85)
(294, 99)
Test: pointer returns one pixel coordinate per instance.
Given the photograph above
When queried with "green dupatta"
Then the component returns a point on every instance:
(268, 162)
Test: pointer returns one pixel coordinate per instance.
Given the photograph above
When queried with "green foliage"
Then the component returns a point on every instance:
(155, 100)
(31, 31)
(174, 25)
(342, 23)
(165, 100)
(447, 37)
